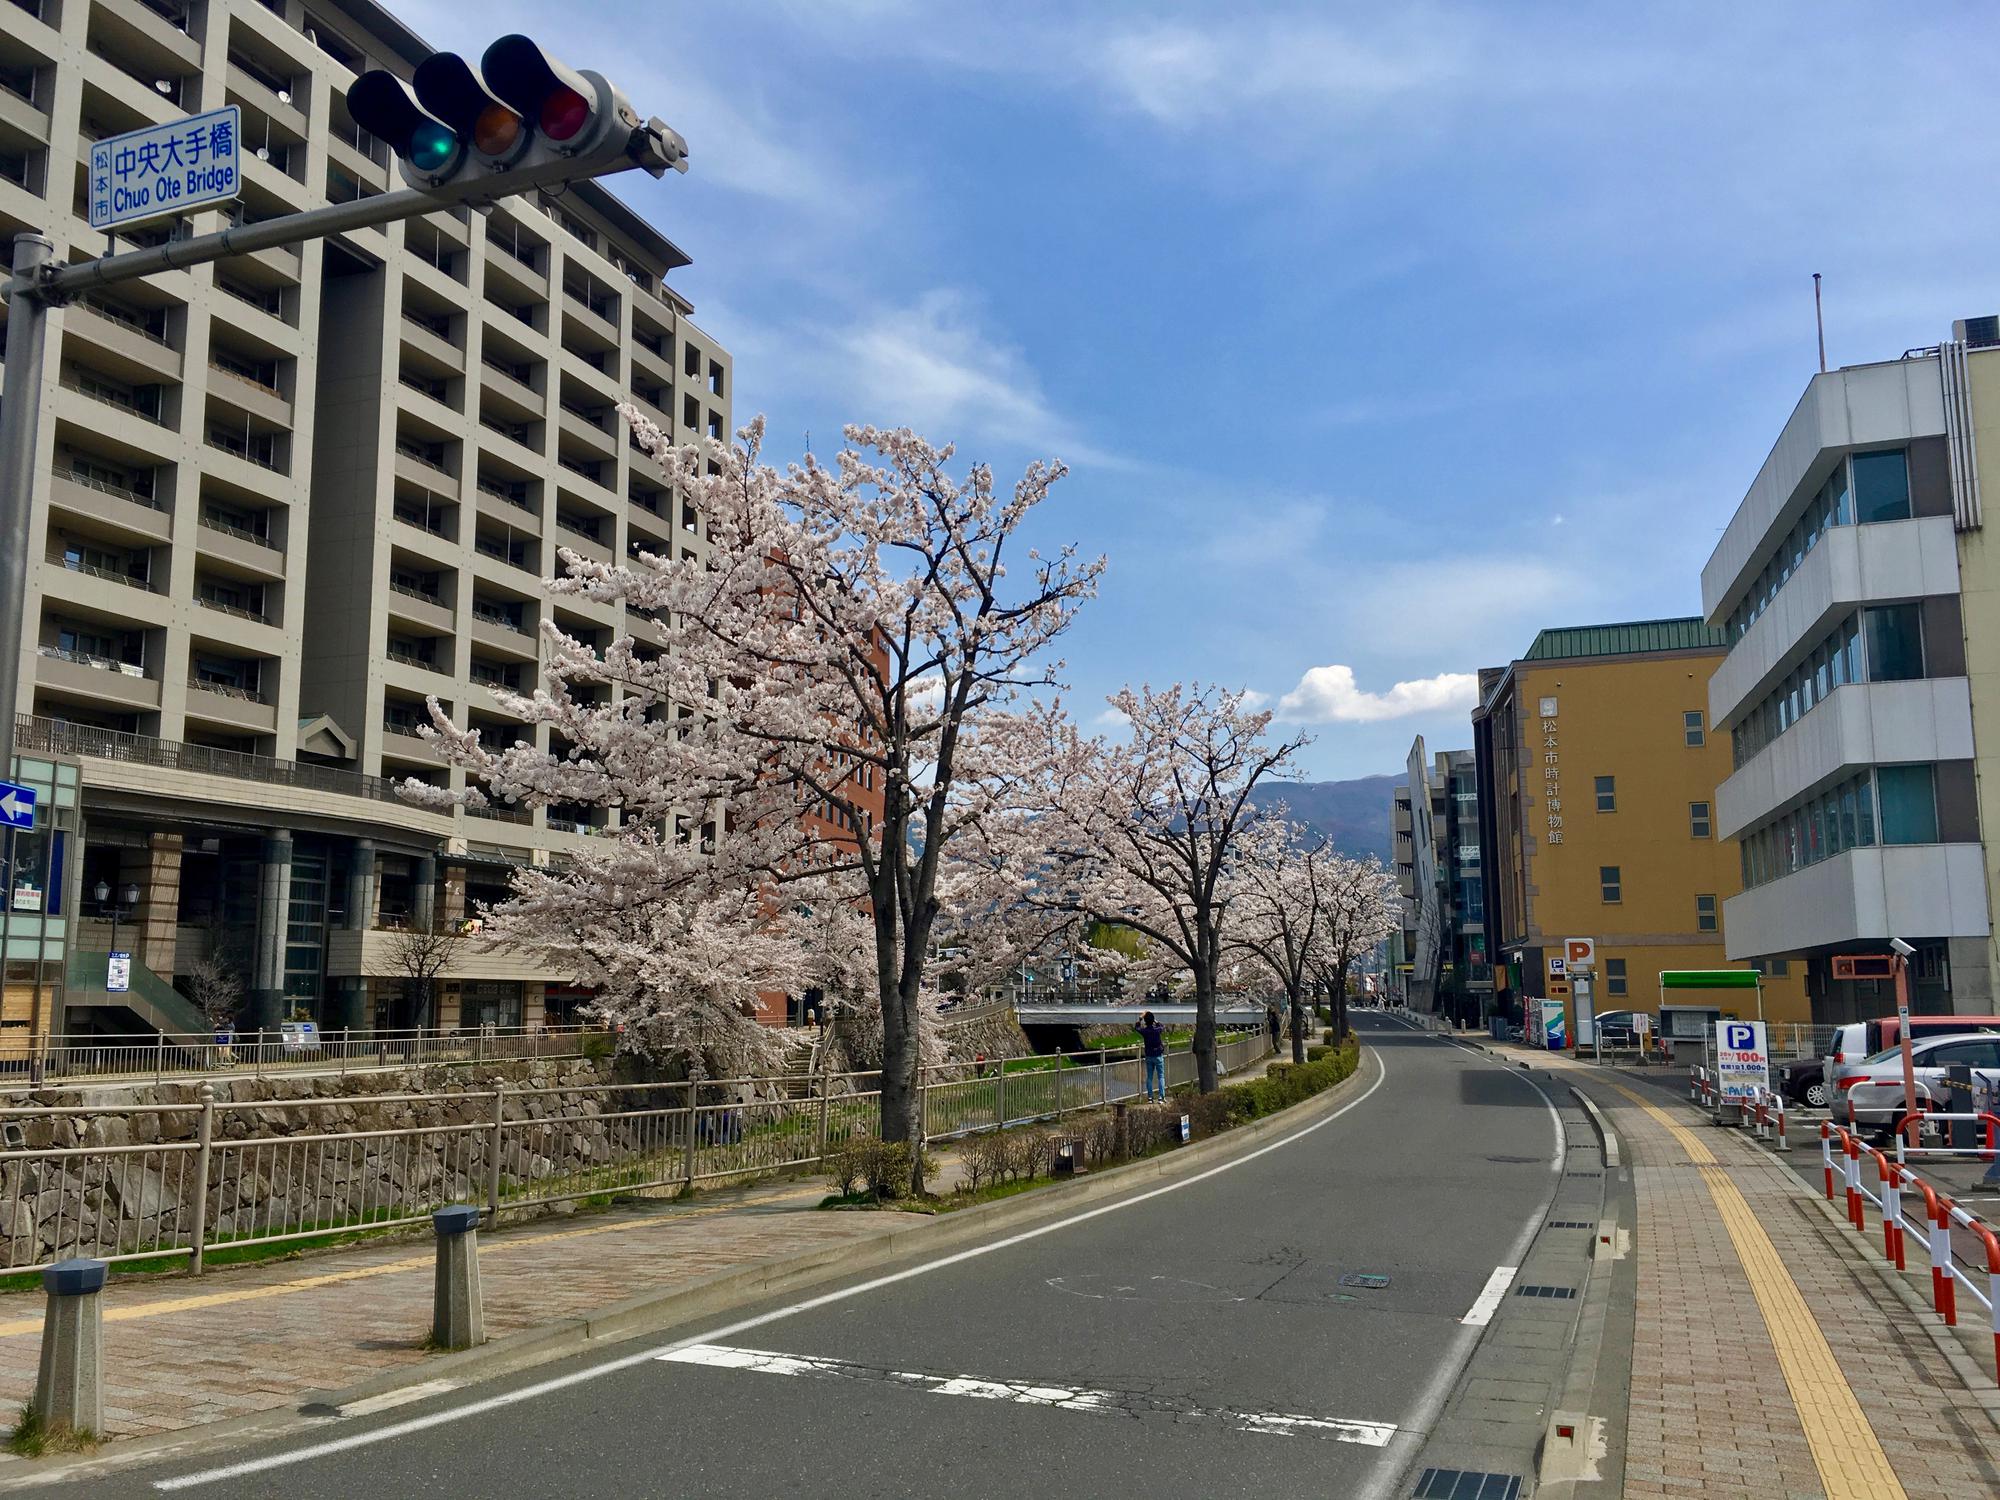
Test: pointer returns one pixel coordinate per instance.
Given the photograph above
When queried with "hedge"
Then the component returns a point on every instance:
(1285, 1085)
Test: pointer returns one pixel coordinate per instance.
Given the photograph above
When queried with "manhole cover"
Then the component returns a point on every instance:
(1367, 1280)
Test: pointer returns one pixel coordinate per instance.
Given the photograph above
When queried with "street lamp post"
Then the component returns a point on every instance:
(1900, 956)
(129, 898)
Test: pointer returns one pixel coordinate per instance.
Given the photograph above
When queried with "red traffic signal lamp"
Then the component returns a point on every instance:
(522, 119)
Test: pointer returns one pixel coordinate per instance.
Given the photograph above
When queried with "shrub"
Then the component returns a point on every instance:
(882, 1167)
(1315, 1052)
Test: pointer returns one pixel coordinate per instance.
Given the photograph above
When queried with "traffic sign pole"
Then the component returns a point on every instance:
(20, 426)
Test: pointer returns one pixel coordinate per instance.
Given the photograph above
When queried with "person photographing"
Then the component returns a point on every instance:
(1153, 1045)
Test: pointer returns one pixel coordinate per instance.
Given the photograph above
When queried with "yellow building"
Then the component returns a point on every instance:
(1597, 777)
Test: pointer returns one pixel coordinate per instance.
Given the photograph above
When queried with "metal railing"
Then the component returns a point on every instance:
(106, 487)
(152, 1056)
(58, 737)
(216, 1174)
(110, 575)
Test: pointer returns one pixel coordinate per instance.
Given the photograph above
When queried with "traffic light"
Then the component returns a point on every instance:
(521, 119)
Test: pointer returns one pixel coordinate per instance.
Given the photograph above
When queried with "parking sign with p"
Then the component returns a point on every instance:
(1742, 1060)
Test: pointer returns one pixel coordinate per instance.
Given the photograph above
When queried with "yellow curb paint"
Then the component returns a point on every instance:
(1848, 1455)
(20, 1326)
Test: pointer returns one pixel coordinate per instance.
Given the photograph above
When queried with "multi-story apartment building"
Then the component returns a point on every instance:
(1443, 961)
(1861, 607)
(288, 497)
(1597, 771)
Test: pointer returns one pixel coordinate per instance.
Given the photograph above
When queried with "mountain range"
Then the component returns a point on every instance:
(1353, 814)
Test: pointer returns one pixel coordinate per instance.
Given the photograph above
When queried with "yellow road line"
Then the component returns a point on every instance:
(1849, 1457)
(498, 1246)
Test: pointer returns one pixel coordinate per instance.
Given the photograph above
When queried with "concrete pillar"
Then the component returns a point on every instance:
(453, 911)
(266, 1004)
(361, 886)
(69, 1387)
(159, 911)
(457, 1319)
(423, 892)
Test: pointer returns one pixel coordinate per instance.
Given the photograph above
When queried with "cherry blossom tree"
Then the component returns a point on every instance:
(1281, 888)
(1143, 831)
(1361, 909)
(842, 646)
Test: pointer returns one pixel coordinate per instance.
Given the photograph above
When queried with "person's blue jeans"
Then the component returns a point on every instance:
(1156, 1078)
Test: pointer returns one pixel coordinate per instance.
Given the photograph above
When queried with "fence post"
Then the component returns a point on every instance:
(1000, 1097)
(819, 1082)
(1103, 1076)
(493, 1154)
(687, 1145)
(346, 1036)
(159, 1057)
(1059, 1085)
(205, 1142)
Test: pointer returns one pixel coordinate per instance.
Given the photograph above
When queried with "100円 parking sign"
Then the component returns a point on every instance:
(167, 169)
(1742, 1060)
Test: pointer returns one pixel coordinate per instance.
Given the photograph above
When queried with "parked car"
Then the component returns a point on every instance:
(1803, 1081)
(1869, 1093)
(1859, 1039)
(1620, 1028)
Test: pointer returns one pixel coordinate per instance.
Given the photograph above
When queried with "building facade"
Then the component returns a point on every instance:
(1597, 770)
(1861, 691)
(1443, 962)
(287, 497)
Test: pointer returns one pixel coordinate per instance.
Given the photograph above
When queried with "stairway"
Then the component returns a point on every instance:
(801, 1061)
(156, 1004)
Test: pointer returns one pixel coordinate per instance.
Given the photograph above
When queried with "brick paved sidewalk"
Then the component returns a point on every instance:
(1769, 1358)
(182, 1350)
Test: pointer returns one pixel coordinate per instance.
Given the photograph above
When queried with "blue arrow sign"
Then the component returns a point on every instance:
(17, 805)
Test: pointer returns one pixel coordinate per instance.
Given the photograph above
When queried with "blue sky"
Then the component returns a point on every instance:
(1377, 336)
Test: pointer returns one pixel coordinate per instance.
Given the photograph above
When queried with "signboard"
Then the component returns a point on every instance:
(158, 170)
(1557, 966)
(1580, 953)
(27, 898)
(1742, 1060)
(118, 974)
(17, 805)
(1555, 1029)
(1585, 1013)
(298, 1036)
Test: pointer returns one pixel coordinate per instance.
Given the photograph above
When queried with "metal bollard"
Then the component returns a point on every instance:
(457, 1318)
(1783, 1143)
(69, 1387)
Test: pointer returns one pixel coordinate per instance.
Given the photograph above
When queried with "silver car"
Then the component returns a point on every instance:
(1869, 1093)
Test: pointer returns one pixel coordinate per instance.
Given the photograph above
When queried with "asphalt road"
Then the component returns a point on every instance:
(1193, 1340)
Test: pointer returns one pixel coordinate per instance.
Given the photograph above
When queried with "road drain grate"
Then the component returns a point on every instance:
(1555, 1293)
(1466, 1484)
(1583, 1174)
(1571, 1224)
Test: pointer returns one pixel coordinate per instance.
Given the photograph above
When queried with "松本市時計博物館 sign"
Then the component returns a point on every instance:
(166, 169)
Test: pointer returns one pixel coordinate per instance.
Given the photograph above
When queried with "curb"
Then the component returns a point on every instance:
(651, 1312)
(1607, 1138)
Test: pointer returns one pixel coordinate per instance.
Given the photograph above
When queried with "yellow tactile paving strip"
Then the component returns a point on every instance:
(1845, 1449)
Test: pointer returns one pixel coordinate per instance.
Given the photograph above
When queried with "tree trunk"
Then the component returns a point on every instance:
(1298, 1023)
(1204, 1028)
(1340, 1010)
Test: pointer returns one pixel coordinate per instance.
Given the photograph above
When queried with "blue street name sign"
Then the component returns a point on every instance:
(17, 805)
(166, 169)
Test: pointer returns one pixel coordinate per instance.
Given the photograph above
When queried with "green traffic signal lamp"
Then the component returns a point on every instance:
(382, 104)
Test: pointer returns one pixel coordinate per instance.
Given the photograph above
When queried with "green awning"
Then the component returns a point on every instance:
(1709, 979)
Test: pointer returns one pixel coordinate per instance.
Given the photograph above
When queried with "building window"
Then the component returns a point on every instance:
(1882, 486)
(1894, 641)
(1693, 731)
(1772, 968)
(1610, 884)
(1699, 823)
(1614, 976)
(1704, 914)
(1607, 794)
(1908, 804)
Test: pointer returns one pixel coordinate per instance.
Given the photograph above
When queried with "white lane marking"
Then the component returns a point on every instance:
(628, 1361)
(1488, 1300)
(1023, 1393)
(402, 1397)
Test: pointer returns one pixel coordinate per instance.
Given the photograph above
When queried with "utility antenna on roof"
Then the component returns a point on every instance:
(1819, 318)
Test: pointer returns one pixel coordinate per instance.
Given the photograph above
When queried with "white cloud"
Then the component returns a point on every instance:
(1330, 695)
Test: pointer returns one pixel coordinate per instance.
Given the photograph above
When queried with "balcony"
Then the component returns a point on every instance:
(423, 466)
(122, 343)
(161, 28)
(590, 430)
(507, 390)
(421, 333)
(259, 450)
(146, 405)
(254, 554)
(498, 633)
(515, 265)
(1868, 894)
(428, 612)
(1862, 724)
(249, 394)
(227, 704)
(401, 741)
(78, 675)
(1851, 566)
(125, 512)
(56, 559)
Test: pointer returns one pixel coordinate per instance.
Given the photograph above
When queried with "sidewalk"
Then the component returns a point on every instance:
(1769, 1358)
(181, 1351)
